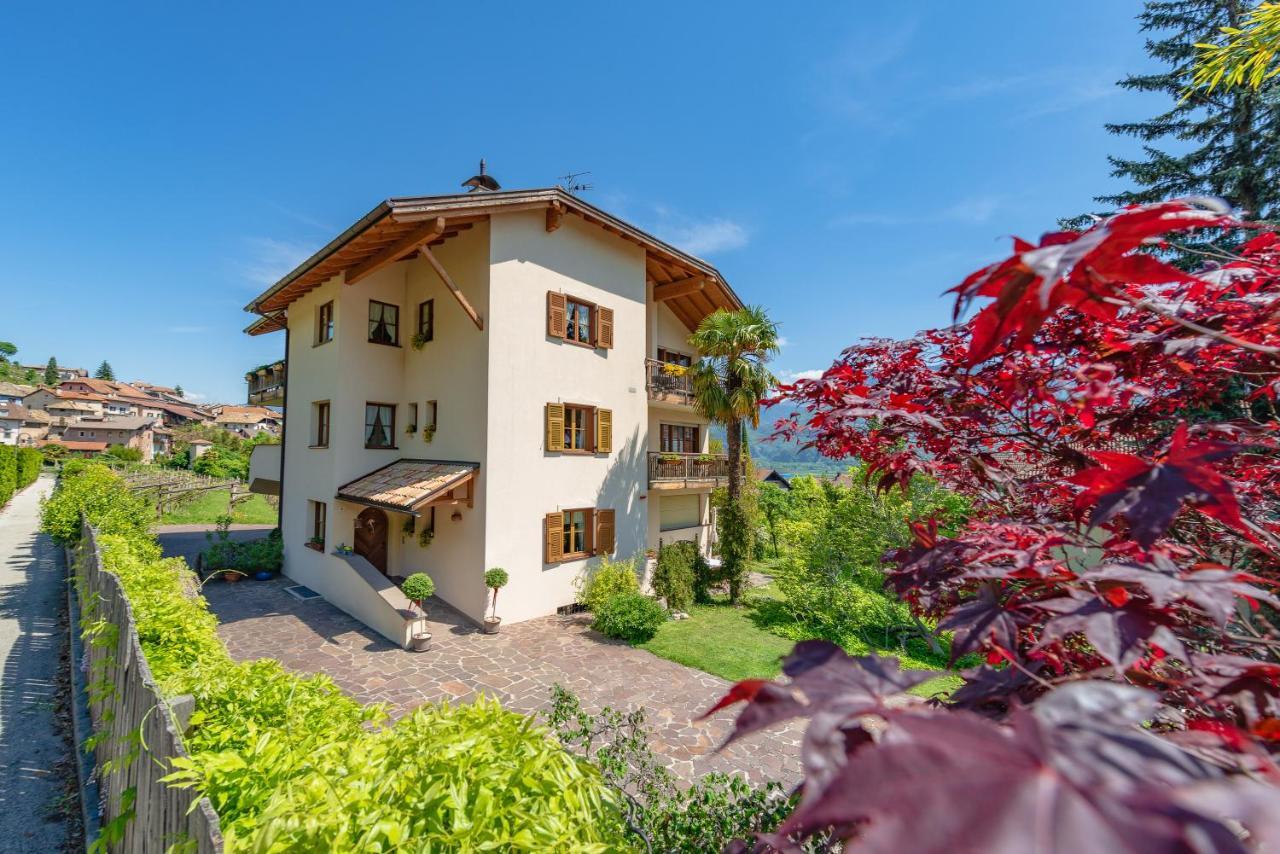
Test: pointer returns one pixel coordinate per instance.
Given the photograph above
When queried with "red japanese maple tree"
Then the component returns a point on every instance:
(1112, 418)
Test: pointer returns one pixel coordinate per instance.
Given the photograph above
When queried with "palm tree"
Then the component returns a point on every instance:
(728, 383)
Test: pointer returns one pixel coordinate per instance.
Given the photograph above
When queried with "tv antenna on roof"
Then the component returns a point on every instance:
(570, 184)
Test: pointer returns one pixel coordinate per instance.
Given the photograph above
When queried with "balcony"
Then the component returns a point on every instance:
(686, 471)
(667, 383)
(266, 385)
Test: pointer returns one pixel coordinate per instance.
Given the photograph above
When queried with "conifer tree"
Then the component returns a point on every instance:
(1224, 143)
(51, 372)
(178, 391)
(104, 371)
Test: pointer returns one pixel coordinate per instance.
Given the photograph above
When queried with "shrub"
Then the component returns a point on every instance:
(124, 453)
(662, 814)
(673, 578)
(292, 763)
(8, 473)
(93, 488)
(607, 580)
(630, 617)
(418, 587)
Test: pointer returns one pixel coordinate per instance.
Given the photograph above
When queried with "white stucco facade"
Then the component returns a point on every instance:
(490, 388)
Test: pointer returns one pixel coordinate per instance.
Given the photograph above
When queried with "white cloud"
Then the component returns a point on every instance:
(792, 376)
(271, 259)
(783, 341)
(708, 237)
(194, 395)
(975, 210)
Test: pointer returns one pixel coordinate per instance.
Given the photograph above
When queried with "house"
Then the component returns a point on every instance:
(44, 397)
(63, 373)
(196, 448)
(767, 475)
(248, 421)
(489, 379)
(133, 431)
(13, 417)
(35, 429)
(14, 392)
(78, 449)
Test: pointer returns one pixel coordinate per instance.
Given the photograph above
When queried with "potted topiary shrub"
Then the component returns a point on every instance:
(495, 579)
(418, 588)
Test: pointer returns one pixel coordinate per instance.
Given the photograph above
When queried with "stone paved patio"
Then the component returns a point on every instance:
(517, 666)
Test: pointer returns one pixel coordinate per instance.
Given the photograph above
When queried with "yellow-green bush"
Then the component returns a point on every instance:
(292, 764)
(610, 578)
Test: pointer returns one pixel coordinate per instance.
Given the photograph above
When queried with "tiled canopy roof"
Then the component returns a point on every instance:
(407, 484)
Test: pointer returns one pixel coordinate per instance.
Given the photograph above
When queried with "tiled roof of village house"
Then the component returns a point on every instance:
(407, 484)
(73, 405)
(14, 412)
(245, 415)
(122, 422)
(16, 389)
(397, 227)
(71, 445)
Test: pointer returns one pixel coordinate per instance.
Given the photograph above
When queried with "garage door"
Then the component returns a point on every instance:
(679, 511)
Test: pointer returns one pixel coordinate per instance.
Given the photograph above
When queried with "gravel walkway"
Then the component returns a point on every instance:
(517, 666)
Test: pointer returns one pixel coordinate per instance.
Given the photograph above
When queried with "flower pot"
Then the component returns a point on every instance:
(490, 626)
(264, 575)
(421, 641)
(231, 577)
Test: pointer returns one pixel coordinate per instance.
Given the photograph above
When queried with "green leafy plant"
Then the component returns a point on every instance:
(673, 577)
(418, 588)
(660, 813)
(631, 617)
(290, 762)
(426, 536)
(606, 580)
(428, 433)
(420, 340)
(495, 579)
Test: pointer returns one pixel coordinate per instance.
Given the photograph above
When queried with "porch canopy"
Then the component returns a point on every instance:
(408, 486)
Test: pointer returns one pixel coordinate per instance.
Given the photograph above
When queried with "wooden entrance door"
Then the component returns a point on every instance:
(371, 537)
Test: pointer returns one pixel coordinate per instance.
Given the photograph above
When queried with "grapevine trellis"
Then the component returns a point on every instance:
(169, 489)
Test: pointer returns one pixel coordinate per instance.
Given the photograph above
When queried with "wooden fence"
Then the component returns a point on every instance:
(137, 730)
(169, 489)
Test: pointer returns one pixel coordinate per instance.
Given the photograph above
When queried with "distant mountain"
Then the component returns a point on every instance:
(786, 456)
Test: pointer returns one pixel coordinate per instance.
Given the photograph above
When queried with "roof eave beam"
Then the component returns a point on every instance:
(426, 252)
(679, 288)
(402, 247)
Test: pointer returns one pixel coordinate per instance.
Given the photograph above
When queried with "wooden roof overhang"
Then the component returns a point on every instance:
(399, 227)
(409, 486)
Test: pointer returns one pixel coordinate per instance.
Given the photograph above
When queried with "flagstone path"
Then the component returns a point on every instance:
(518, 666)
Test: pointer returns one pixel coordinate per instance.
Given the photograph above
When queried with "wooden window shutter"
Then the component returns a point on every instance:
(605, 538)
(604, 431)
(604, 327)
(553, 538)
(556, 314)
(555, 426)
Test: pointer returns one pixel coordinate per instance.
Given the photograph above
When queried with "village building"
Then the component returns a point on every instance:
(490, 379)
(141, 432)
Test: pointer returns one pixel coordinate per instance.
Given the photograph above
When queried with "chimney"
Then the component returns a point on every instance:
(481, 183)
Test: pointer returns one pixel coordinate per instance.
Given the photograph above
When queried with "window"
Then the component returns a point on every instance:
(319, 519)
(678, 439)
(412, 426)
(576, 539)
(324, 323)
(671, 357)
(427, 320)
(384, 323)
(579, 533)
(579, 321)
(379, 425)
(432, 415)
(577, 428)
(320, 424)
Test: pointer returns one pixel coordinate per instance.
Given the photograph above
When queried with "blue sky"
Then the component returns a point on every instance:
(842, 164)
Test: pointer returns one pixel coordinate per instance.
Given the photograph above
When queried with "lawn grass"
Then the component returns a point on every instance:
(749, 642)
(206, 509)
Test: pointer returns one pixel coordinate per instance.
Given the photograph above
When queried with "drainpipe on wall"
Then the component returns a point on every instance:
(284, 426)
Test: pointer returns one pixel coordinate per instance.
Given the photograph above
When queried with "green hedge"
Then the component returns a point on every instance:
(292, 764)
(19, 468)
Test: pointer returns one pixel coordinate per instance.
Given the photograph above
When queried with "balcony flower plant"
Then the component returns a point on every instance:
(495, 579)
(428, 433)
(418, 588)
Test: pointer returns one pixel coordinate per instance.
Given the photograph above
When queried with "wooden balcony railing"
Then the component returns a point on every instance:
(691, 469)
(266, 385)
(667, 382)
